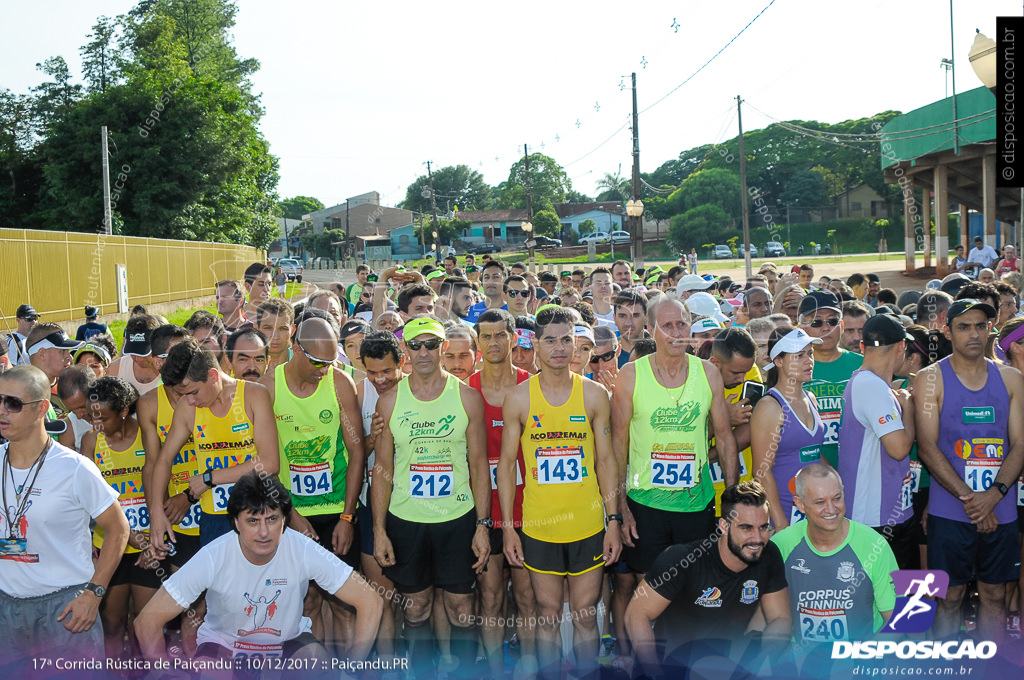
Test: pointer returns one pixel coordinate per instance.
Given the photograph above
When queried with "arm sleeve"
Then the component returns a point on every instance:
(881, 578)
(187, 584)
(875, 406)
(93, 494)
(329, 572)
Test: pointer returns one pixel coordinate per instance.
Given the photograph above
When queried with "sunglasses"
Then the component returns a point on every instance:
(431, 344)
(317, 363)
(818, 323)
(517, 293)
(14, 404)
(607, 356)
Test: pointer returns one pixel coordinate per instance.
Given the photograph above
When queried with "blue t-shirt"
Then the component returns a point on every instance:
(87, 330)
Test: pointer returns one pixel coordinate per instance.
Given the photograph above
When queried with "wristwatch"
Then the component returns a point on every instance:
(99, 591)
(613, 518)
(1003, 489)
(208, 479)
(351, 519)
(488, 522)
(192, 500)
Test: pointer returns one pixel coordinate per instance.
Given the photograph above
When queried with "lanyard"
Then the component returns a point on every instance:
(21, 509)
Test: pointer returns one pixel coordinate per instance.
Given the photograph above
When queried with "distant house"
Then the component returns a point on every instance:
(277, 246)
(607, 216)
(490, 226)
(861, 202)
(361, 215)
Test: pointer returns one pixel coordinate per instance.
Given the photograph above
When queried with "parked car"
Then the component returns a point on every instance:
(774, 249)
(487, 248)
(292, 269)
(621, 237)
(753, 250)
(596, 237)
(722, 252)
(547, 242)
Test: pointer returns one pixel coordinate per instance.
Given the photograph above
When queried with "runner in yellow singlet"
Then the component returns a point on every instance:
(233, 425)
(562, 422)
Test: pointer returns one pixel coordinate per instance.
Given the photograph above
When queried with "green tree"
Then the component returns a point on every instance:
(548, 184)
(322, 242)
(615, 187)
(659, 209)
(546, 223)
(588, 226)
(806, 188)
(455, 185)
(103, 56)
(576, 197)
(447, 230)
(54, 99)
(699, 225)
(715, 186)
(295, 208)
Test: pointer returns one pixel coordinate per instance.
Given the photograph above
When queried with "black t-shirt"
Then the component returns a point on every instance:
(709, 600)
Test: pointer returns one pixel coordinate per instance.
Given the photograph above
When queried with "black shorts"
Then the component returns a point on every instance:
(497, 541)
(958, 549)
(920, 505)
(432, 554)
(185, 548)
(324, 526)
(365, 515)
(563, 559)
(129, 574)
(211, 650)
(658, 529)
(902, 539)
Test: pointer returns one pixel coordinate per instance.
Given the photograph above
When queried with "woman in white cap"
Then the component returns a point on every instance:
(786, 432)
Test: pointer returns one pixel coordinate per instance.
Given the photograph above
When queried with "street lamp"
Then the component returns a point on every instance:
(983, 60)
(635, 209)
(528, 230)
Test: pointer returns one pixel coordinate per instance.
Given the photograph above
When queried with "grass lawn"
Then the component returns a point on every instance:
(178, 318)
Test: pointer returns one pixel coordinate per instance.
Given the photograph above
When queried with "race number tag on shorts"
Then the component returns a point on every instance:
(915, 473)
(311, 480)
(831, 420)
(191, 518)
(137, 513)
(822, 625)
(795, 515)
(252, 650)
(907, 491)
(494, 474)
(221, 492)
(718, 477)
(672, 470)
(431, 481)
(562, 465)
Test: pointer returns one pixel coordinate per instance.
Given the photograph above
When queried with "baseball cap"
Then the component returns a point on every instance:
(704, 304)
(27, 312)
(354, 328)
(584, 332)
(566, 275)
(472, 269)
(692, 282)
(819, 299)
(436, 274)
(793, 341)
(137, 344)
(953, 283)
(884, 330)
(933, 284)
(422, 326)
(704, 325)
(56, 340)
(87, 348)
(524, 338)
(961, 306)
(90, 311)
(873, 278)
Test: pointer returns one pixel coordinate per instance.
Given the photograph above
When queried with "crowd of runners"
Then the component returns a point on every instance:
(474, 470)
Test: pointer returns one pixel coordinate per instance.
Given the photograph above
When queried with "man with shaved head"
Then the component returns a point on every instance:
(315, 405)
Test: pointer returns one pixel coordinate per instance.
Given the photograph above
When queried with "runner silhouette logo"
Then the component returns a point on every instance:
(913, 613)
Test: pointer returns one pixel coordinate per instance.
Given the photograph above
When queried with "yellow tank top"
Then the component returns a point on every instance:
(185, 464)
(732, 395)
(123, 471)
(561, 496)
(223, 443)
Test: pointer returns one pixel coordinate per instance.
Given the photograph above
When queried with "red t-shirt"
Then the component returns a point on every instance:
(1010, 266)
(495, 424)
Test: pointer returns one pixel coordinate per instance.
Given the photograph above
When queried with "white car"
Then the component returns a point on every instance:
(621, 237)
(596, 237)
(722, 252)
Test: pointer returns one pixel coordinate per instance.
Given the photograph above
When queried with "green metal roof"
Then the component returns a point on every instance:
(930, 128)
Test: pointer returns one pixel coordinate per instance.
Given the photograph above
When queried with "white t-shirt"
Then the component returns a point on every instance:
(254, 609)
(16, 351)
(68, 492)
(986, 256)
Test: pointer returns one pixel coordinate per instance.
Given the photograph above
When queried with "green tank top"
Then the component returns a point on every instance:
(668, 441)
(431, 483)
(313, 456)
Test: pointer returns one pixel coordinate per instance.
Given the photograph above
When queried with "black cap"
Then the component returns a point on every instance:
(884, 330)
(27, 312)
(953, 286)
(91, 311)
(137, 344)
(873, 278)
(819, 299)
(354, 328)
(884, 309)
(967, 304)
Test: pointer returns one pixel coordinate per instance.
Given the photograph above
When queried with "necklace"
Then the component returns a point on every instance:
(660, 375)
(20, 488)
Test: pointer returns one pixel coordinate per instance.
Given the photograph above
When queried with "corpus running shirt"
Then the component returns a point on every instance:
(561, 496)
(828, 384)
(223, 443)
(313, 456)
(122, 470)
(838, 595)
(668, 441)
(185, 464)
(796, 447)
(431, 456)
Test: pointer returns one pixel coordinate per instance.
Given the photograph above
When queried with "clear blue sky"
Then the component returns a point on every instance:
(358, 95)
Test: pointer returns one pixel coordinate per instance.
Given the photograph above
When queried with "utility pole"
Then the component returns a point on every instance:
(638, 223)
(743, 191)
(952, 70)
(108, 218)
(433, 207)
(529, 204)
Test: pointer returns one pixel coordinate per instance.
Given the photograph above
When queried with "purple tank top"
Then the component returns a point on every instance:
(797, 447)
(973, 435)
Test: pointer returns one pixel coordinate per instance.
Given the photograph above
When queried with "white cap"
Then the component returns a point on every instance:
(692, 282)
(793, 341)
(705, 325)
(704, 304)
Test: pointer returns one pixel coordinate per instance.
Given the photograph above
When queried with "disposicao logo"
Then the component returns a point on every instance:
(913, 613)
